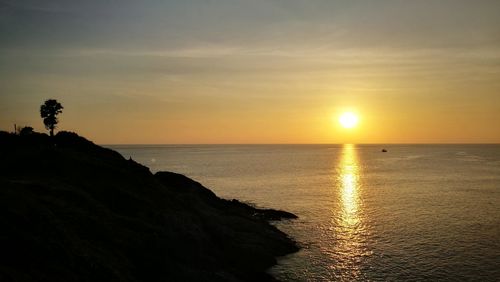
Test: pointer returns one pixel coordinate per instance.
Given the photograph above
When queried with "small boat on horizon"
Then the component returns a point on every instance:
(384, 150)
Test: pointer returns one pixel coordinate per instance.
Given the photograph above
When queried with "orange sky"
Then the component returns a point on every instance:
(259, 72)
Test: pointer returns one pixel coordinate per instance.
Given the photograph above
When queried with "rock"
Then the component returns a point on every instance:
(73, 211)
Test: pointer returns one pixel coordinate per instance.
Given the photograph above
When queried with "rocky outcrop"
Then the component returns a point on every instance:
(73, 211)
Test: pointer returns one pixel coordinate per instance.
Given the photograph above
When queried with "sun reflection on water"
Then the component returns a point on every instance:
(350, 232)
(349, 177)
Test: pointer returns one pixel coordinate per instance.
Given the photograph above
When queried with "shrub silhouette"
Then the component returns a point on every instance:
(27, 130)
(49, 111)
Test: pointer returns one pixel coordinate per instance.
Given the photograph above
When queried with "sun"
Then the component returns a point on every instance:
(348, 120)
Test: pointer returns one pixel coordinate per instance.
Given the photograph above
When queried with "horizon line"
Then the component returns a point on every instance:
(292, 144)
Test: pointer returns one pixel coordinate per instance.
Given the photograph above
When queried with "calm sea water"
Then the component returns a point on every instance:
(417, 212)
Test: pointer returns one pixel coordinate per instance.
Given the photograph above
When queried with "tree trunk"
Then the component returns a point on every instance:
(51, 132)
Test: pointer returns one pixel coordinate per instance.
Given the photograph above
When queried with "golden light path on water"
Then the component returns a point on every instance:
(350, 231)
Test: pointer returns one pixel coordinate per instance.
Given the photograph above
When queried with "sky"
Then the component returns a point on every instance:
(260, 71)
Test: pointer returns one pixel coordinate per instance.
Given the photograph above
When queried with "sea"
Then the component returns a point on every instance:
(413, 213)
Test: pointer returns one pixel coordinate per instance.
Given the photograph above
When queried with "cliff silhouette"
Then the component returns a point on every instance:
(74, 211)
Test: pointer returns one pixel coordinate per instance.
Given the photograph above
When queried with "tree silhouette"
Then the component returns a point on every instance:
(48, 111)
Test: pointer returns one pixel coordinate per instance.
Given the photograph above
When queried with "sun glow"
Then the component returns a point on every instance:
(348, 120)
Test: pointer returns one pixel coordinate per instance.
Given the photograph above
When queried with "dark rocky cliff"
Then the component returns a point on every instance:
(73, 211)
